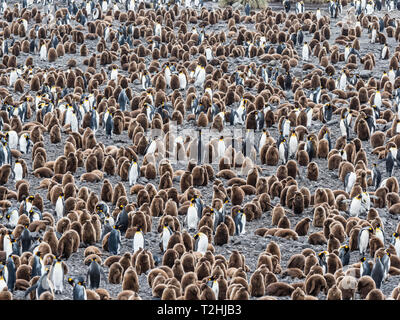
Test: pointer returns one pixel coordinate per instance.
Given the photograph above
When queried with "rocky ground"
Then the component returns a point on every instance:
(249, 244)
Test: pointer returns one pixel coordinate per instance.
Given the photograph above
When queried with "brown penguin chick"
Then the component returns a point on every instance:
(88, 233)
(237, 195)
(116, 273)
(333, 243)
(323, 149)
(303, 226)
(221, 235)
(375, 294)
(192, 292)
(319, 217)
(130, 280)
(311, 260)
(51, 238)
(317, 238)
(312, 171)
(109, 166)
(315, 284)
(257, 284)
(279, 289)
(68, 244)
(296, 261)
(298, 203)
(348, 286)
(277, 213)
(334, 293)
(364, 285)
(5, 171)
(375, 243)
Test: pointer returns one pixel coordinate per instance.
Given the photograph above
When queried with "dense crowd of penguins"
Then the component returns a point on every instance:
(142, 67)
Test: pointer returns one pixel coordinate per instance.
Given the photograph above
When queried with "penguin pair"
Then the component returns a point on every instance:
(79, 288)
(42, 285)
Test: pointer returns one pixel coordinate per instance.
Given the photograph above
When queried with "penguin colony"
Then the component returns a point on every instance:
(303, 204)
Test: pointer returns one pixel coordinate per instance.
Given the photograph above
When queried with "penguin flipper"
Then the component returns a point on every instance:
(30, 289)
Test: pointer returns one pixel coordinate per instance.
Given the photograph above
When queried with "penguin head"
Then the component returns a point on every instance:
(71, 281)
(370, 230)
(192, 202)
(30, 199)
(121, 206)
(196, 236)
(221, 138)
(345, 247)
(226, 201)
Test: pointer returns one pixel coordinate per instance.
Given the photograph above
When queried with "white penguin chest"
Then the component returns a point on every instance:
(138, 242)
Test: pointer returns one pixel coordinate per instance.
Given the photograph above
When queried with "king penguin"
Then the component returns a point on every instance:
(94, 274)
(114, 241)
(164, 238)
(42, 285)
(201, 243)
(138, 240)
(365, 269)
(344, 255)
(79, 288)
(377, 272)
(60, 206)
(134, 173)
(240, 223)
(57, 276)
(122, 219)
(11, 276)
(192, 216)
(363, 239)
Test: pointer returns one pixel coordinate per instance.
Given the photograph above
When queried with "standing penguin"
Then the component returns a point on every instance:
(322, 260)
(109, 125)
(60, 206)
(395, 241)
(386, 265)
(349, 181)
(380, 233)
(213, 284)
(240, 223)
(365, 269)
(94, 274)
(57, 276)
(18, 171)
(114, 241)
(201, 243)
(377, 272)
(134, 173)
(344, 255)
(164, 238)
(43, 52)
(7, 245)
(376, 177)
(283, 151)
(293, 144)
(356, 206)
(138, 240)
(79, 288)
(306, 51)
(363, 239)
(122, 219)
(26, 239)
(11, 276)
(42, 285)
(37, 266)
(192, 218)
(385, 52)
